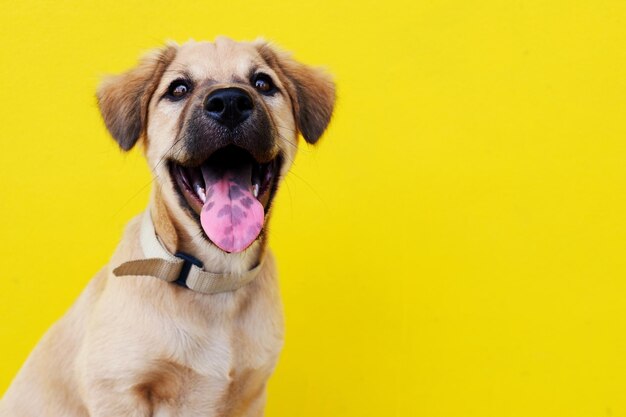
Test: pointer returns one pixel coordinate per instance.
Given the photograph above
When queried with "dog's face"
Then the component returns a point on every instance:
(219, 123)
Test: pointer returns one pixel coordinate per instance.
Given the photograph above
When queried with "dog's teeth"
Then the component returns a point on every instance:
(255, 190)
(200, 192)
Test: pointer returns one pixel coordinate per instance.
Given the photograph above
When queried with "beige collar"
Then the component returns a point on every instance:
(181, 269)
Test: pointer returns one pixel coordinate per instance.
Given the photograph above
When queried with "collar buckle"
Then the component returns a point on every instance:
(188, 262)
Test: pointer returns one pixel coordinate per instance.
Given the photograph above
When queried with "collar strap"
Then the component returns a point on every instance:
(181, 268)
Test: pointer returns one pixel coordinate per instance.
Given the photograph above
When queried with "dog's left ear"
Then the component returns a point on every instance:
(312, 91)
(123, 99)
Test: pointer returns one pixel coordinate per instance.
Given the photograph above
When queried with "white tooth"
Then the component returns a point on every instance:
(200, 192)
(255, 190)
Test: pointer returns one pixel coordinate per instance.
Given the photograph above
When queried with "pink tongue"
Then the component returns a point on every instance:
(231, 216)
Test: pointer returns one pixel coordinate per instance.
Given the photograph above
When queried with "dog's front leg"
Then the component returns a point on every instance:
(257, 406)
(102, 402)
(113, 389)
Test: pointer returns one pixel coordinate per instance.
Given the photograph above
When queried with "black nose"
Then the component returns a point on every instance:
(229, 106)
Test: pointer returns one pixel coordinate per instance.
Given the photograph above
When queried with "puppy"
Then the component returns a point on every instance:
(185, 320)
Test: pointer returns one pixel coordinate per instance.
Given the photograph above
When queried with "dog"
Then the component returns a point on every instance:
(186, 318)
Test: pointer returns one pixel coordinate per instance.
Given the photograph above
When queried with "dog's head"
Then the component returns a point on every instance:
(219, 123)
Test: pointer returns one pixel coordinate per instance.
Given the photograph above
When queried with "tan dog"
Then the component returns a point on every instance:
(219, 124)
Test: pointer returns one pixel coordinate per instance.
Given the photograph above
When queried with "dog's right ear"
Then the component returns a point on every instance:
(123, 99)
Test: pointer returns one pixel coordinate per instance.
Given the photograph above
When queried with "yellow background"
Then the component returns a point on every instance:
(456, 245)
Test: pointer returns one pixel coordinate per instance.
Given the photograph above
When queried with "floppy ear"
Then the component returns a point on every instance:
(312, 91)
(123, 99)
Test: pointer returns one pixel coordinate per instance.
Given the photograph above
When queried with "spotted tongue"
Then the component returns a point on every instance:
(231, 216)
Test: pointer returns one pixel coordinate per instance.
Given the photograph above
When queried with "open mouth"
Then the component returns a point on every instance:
(230, 192)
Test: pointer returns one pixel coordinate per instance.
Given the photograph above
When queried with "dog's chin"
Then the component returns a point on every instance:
(195, 186)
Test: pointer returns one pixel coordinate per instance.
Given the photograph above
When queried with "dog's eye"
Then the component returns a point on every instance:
(178, 89)
(263, 83)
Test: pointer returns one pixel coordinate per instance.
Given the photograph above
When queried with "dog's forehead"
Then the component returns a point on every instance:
(219, 60)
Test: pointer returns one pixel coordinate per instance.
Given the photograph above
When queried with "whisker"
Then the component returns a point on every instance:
(139, 191)
(162, 159)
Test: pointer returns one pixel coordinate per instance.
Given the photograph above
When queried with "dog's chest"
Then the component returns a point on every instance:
(216, 365)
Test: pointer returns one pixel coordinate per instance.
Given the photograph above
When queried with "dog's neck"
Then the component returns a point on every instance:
(179, 233)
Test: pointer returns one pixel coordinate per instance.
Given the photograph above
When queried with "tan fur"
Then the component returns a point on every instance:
(137, 346)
